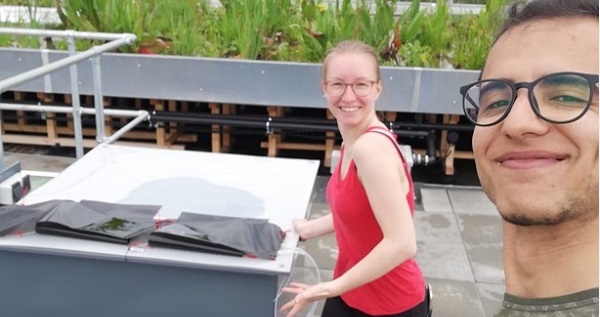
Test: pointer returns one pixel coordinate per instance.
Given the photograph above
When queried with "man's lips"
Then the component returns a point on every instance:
(530, 159)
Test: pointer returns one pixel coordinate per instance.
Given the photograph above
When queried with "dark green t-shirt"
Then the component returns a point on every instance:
(581, 304)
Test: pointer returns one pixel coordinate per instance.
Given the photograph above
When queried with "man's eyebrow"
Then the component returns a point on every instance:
(562, 80)
(492, 85)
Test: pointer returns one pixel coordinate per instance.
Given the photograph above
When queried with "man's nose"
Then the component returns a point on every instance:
(522, 120)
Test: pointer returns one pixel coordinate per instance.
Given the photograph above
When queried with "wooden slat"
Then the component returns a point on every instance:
(215, 136)
(295, 146)
(91, 132)
(21, 119)
(329, 143)
(161, 135)
(87, 143)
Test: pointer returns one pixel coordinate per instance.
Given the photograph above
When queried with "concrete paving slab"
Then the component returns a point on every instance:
(453, 298)
(319, 190)
(480, 228)
(37, 163)
(444, 261)
(323, 250)
(491, 297)
(435, 200)
(486, 262)
(436, 226)
(470, 201)
(318, 210)
(482, 237)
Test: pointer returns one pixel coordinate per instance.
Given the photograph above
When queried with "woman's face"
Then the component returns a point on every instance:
(351, 87)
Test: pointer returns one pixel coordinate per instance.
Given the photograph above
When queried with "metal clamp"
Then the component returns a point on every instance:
(269, 131)
(429, 299)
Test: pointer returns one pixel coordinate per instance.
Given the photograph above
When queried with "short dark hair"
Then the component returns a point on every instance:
(522, 12)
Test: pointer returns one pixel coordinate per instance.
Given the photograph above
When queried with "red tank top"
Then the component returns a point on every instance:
(357, 233)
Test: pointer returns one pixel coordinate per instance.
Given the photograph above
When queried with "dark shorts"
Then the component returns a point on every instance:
(336, 307)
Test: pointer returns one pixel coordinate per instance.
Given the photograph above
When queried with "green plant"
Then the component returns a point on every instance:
(417, 55)
(30, 21)
(410, 22)
(111, 16)
(35, 3)
(470, 49)
(170, 28)
(436, 32)
(384, 26)
(326, 25)
(6, 40)
(319, 27)
(31, 6)
(249, 27)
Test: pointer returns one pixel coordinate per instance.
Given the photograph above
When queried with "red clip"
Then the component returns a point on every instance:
(18, 233)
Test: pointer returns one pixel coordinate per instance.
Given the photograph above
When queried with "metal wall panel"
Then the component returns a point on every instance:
(264, 83)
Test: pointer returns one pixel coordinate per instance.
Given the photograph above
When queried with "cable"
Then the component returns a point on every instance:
(286, 282)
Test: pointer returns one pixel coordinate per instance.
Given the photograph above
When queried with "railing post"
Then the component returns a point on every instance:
(98, 100)
(75, 100)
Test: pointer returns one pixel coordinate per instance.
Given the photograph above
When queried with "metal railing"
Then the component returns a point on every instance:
(113, 41)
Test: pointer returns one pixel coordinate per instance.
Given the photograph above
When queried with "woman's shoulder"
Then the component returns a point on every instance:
(375, 137)
(372, 145)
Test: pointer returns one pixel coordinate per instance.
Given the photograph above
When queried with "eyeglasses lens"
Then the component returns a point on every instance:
(562, 98)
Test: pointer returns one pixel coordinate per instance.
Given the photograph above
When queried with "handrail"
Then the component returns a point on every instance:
(138, 115)
(114, 41)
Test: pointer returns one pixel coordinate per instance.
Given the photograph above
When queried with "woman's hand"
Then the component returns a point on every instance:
(307, 229)
(306, 294)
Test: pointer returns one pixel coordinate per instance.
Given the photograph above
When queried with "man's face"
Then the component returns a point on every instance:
(538, 172)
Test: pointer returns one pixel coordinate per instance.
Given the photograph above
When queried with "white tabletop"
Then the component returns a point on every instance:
(276, 189)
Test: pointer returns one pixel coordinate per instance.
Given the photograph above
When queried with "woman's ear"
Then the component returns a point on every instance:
(378, 87)
(323, 83)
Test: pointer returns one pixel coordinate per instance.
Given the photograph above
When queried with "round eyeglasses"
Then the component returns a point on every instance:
(557, 98)
(360, 88)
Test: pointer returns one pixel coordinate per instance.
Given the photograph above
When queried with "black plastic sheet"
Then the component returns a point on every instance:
(100, 221)
(234, 236)
(22, 219)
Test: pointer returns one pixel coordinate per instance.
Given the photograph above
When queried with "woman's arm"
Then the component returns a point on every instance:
(313, 228)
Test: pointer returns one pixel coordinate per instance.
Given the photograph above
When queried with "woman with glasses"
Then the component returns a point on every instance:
(371, 198)
(536, 149)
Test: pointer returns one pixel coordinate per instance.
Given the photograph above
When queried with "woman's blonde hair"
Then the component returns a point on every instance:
(350, 46)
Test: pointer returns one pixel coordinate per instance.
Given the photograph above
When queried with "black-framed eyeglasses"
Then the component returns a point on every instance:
(360, 88)
(558, 98)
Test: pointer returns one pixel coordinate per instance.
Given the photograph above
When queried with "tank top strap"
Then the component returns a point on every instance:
(390, 135)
